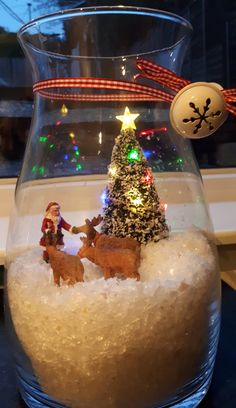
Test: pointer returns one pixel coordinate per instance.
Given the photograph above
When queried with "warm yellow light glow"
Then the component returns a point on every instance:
(100, 137)
(135, 197)
(112, 170)
(136, 201)
(123, 70)
(72, 135)
(127, 119)
(64, 110)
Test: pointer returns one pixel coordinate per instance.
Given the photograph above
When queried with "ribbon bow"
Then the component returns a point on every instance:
(131, 91)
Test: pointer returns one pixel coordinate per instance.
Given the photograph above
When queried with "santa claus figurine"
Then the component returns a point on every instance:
(52, 225)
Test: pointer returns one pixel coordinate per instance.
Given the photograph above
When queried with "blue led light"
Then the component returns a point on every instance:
(76, 148)
(66, 156)
(147, 153)
(103, 197)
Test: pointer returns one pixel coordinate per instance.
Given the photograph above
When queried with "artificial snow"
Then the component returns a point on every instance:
(118, 343)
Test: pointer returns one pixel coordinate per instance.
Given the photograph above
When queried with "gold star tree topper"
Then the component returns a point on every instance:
(127, 119)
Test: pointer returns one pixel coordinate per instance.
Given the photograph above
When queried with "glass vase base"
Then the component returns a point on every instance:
(32, 394)
(192, 400)
(35, 398)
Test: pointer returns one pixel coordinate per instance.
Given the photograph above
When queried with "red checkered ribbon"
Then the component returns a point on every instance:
(230, 98)
(130, 91)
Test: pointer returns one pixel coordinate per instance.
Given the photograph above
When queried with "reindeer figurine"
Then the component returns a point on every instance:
(65, 266)
(100, 240)
(112, 261)
(112, 254)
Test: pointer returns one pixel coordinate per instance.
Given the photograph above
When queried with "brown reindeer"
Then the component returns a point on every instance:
(65, 266)
(94, 238)
(121, 261)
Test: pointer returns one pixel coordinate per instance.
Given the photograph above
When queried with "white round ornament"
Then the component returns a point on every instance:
(198, 110)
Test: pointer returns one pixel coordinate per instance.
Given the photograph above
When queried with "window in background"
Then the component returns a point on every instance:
(15, 102)
(16, 96)
(211, 57)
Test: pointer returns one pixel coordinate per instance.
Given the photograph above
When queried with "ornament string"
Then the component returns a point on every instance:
(130, 91)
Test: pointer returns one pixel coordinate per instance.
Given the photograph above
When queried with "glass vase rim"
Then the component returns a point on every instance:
(62, 14)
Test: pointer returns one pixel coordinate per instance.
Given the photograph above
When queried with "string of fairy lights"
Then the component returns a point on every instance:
(133, 155)
(49, 142)
(132, 206)
(70, 152)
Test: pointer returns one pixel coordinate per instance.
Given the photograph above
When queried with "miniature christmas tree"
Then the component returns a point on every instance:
(132, 206)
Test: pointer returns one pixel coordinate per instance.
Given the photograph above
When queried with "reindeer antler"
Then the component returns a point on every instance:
(86, 241)
(50, 239)
(88, 227)
(96, 220)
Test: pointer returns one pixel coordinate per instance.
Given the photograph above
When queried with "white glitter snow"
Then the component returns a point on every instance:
(118, 343)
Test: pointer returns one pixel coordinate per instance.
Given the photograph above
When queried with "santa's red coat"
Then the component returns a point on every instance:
(48, 226)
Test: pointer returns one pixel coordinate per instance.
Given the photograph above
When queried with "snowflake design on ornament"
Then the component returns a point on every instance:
(202, 117)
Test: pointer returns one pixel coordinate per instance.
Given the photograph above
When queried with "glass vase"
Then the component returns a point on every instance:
(112, 279)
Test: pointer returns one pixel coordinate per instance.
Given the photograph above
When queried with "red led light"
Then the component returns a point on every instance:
(148, 177)
(147, 132)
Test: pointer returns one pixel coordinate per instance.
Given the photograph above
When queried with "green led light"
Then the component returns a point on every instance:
(41, 170)
(34, 168)
(51, 146)
(133, 155)
(43, 139)
(78, 167)
(179, 160)
(77, 153)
